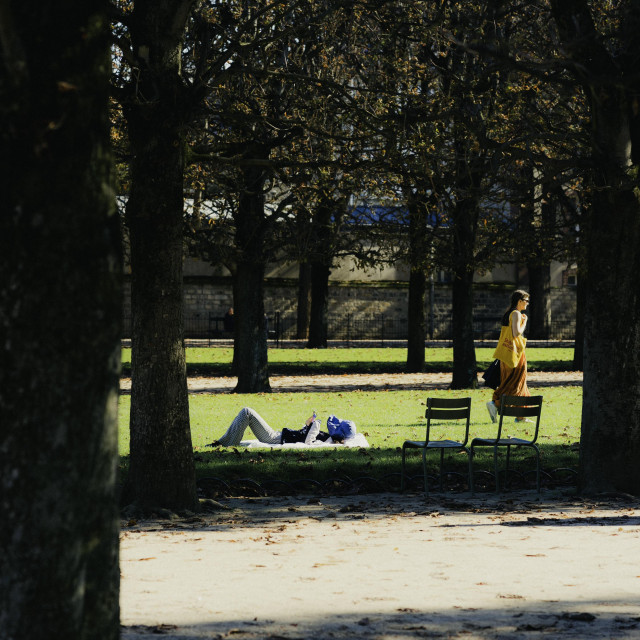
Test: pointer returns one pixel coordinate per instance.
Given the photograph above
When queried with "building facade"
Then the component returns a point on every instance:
(367, 305)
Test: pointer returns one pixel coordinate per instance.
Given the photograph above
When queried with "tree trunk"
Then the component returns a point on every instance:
(464, 353)
(162, 469)
(236, 295)
(60, 312)
(251, 357)
(542, 224)
(321, 259)
(416, 330)
(610, 439)
(578, 349)
(416, 320)
(250, 345)
(318, 325)
(610, 442)
(539, 324)
(304, 301)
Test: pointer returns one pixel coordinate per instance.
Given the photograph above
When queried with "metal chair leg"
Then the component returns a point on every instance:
(471, 482)
(537, 467)
(424, 468)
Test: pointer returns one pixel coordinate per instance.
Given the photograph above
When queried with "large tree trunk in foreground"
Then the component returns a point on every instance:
(60, 310)
(610, 440)
(162, 468)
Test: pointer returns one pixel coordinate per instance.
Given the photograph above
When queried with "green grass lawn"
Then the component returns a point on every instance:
(216, 361)
(387, 418)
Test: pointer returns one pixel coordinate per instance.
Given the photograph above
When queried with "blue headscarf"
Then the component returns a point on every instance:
(343, 428)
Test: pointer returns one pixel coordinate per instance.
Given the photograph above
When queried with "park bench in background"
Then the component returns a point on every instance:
(440, 409)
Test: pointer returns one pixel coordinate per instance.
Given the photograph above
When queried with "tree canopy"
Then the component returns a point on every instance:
(474, 123)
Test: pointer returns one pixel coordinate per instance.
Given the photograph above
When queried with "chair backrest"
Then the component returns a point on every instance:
(448, 409)
(521, 407)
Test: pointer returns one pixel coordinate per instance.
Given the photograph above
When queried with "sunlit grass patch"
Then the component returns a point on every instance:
(387, 418)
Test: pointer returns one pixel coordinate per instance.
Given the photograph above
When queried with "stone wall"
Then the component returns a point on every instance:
(362, 310)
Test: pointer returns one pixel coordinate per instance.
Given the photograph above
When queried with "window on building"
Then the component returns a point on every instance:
(570, 277)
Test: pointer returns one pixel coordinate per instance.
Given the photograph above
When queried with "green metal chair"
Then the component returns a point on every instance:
(513, 407)
(440, 409)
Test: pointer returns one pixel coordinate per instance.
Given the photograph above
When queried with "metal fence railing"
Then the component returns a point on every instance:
(199, 325)
(349, 327)
(380, 328)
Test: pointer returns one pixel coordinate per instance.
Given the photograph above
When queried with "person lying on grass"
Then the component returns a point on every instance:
(339, 430)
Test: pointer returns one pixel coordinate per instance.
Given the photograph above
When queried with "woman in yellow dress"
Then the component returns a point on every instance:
(511, 353)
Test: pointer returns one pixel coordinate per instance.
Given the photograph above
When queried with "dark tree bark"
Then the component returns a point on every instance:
(465, 369)
(236, 295)
(465, 219)
(250, 345)
(304, 301)
(539, 324)
(539, 268)
(610, 440)
(60, 311)
(578, 349)
(416, 320)
(162, 468)
(318, 325)
(321, 259)
(417, 286)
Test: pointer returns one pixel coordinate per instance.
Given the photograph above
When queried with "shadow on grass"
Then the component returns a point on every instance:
(236, 471)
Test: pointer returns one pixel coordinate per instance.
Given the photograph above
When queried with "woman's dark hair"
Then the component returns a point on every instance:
(516, 296)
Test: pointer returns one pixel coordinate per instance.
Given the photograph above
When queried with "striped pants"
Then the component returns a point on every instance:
(252, 419)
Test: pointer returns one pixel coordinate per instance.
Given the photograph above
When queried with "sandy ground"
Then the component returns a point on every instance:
(363, 382)
(387, 566)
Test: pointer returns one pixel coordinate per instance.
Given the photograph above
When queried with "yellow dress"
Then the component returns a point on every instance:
(510, 349)
(513, 365)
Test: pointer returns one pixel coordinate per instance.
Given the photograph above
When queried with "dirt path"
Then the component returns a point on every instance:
(363, 382)
(387, 567)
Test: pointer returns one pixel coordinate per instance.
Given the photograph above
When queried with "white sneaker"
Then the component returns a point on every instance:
(493, 410)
